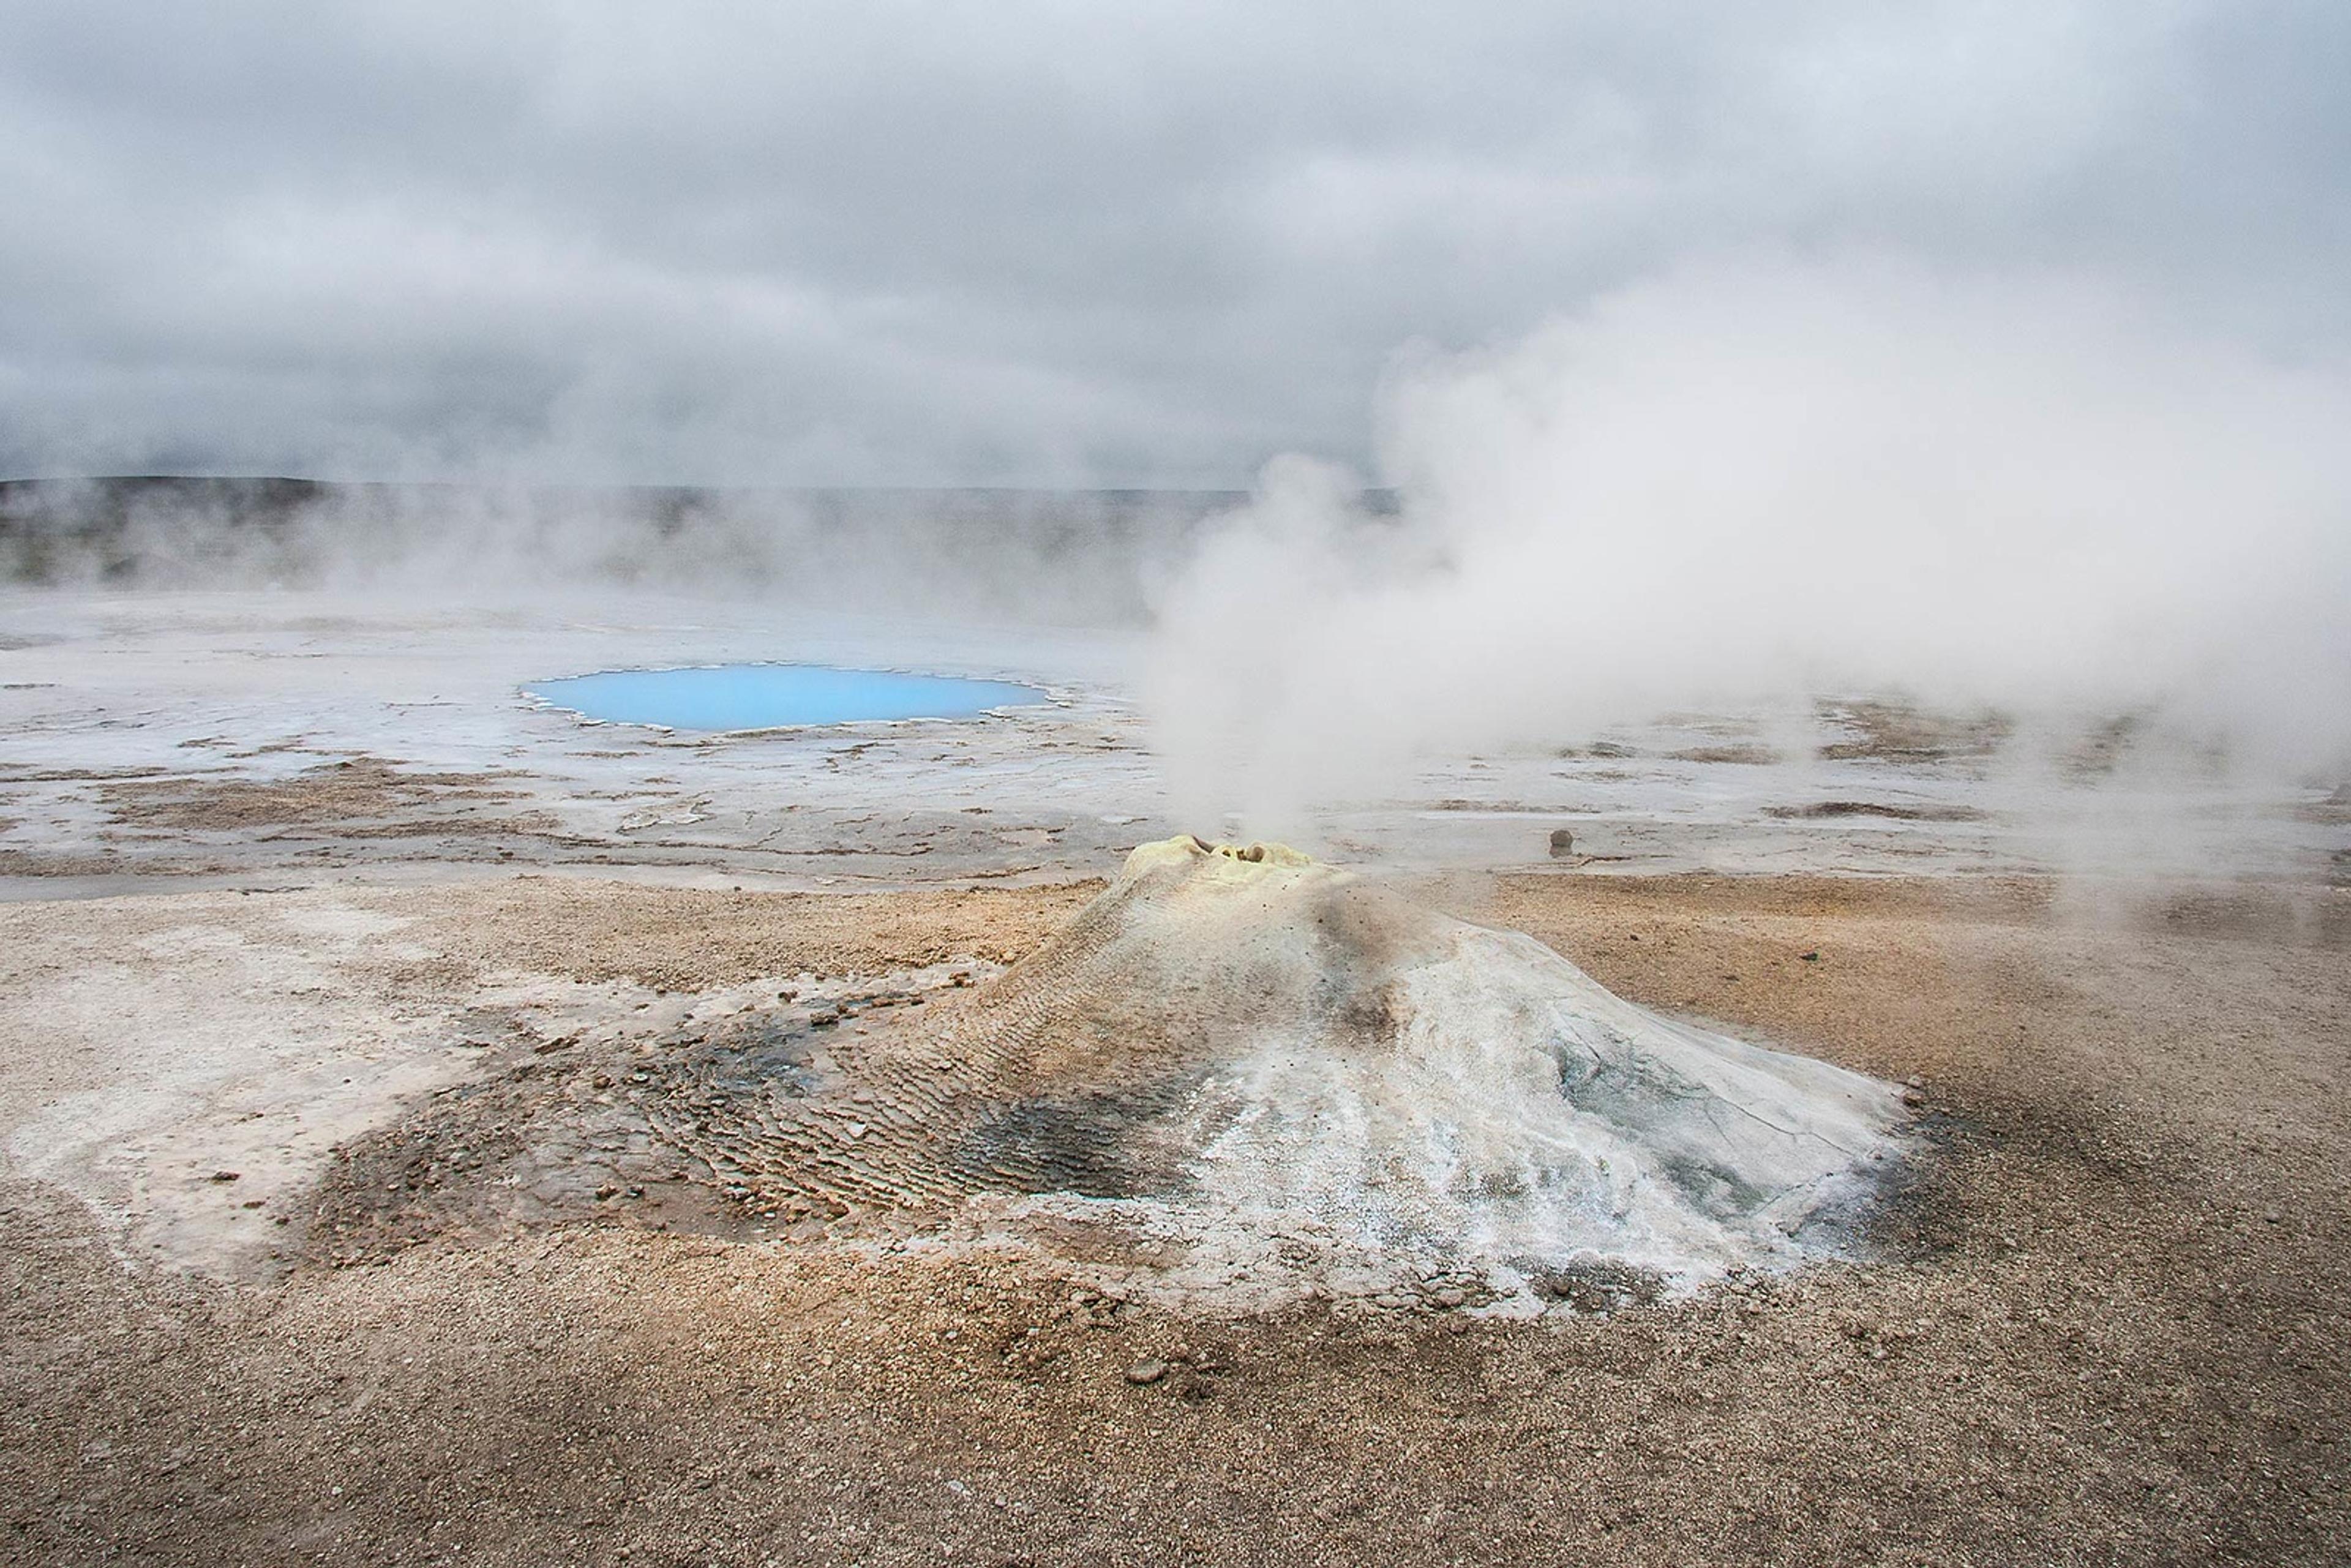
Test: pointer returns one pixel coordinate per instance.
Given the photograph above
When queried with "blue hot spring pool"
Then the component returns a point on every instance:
(768, 696)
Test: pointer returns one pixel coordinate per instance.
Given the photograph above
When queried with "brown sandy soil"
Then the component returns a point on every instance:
(1876, 808)
(1902, 731)
(361, 806)
(693, 938)
(2107, 1328)
(361, 787)
(1746, 754)
(357, 797)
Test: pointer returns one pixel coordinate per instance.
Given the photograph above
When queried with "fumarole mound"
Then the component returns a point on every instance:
(1278, 1078)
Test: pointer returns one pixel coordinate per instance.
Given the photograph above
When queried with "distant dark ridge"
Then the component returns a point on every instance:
(1065, 556)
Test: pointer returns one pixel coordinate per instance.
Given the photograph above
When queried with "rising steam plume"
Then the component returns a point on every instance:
(1748, 481)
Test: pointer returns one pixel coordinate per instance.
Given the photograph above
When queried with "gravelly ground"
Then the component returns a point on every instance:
(2106, 1329)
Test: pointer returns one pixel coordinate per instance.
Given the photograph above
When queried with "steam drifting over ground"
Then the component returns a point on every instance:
(1746, 482)
(1058, 557)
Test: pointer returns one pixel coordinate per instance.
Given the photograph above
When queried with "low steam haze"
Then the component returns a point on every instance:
(1585, 362)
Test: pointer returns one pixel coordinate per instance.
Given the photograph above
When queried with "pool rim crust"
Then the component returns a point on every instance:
(1046, 696)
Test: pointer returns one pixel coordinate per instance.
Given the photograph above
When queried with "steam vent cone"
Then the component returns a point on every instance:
(1248, 1076)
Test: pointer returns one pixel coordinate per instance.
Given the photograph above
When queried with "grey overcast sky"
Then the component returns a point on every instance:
(876, 242)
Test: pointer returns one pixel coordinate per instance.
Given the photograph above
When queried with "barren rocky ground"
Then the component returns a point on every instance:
(2105, 1328)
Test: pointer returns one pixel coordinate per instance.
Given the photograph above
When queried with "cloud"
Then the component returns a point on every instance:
(737, 243)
